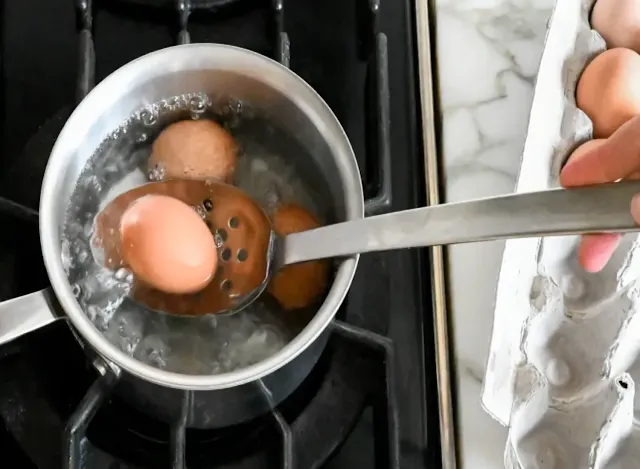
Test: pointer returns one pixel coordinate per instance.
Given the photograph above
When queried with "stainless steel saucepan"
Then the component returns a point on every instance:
(289, 103)
(233, 397)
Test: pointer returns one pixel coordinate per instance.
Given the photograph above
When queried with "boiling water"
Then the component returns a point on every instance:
(202, 345)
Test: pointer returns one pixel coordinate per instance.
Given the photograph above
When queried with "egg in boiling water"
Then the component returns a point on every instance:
(298, 285)
(199, 149)
(167, 245)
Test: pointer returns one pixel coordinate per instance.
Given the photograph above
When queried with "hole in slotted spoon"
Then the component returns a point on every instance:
(234, 222)
(226, 285)
(242, 255)
(226, 254)
(221, 234)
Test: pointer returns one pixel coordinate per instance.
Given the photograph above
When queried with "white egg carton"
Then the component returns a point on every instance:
(566, 343)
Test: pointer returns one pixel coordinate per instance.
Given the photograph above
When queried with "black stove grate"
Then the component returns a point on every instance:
(76, 443)
(331, 415)
(373, 49)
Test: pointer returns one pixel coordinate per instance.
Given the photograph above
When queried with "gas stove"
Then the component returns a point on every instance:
(372, 399)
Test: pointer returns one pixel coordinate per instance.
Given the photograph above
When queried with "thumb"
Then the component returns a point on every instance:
(615, 158)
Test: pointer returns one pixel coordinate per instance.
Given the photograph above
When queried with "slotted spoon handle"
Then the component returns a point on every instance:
(603, 208)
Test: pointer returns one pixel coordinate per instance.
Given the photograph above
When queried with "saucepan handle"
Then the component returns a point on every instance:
(24, 314)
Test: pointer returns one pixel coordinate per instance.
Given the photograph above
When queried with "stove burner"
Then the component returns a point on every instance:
(300, 440)
(355, 370)
(43, 399)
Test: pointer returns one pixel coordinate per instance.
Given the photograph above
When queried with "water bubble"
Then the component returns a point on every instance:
(152, 351)
(92, 312)
(105, 279)
(148, 117)
(232, 113)
(142, 138)
(201, 211)
(88, 229)
(125, 277)
(94, 183)
(125, 330)
(97, 251)
(156, 357)
(76, 290)
(235, 106)
(121, 274)
(197, 106)
(106, 313)
(156, 173)
(171, 104)
(65, 255)
(83, 256)
(127, 342)
(217, 239)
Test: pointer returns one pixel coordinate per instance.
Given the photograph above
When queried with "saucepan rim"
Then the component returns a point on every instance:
(281, 79)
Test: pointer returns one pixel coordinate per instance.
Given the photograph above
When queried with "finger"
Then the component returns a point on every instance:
(616, 158)
(635, 208)
(584, 168)
(595, 250)
(576, 176)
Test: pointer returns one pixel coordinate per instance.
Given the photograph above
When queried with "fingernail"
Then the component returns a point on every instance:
(635, 208)
(595, 250)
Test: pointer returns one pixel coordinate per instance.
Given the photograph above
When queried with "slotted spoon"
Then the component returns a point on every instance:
(250, 252)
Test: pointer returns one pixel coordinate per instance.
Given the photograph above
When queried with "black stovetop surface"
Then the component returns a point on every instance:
(352, 405)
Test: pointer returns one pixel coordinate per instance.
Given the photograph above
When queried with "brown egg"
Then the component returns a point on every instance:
(298, 285)
(167, 245)
(609, 90)
(195, 149)
(618, 22)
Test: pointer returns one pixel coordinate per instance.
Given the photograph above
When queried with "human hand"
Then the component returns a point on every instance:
(601, 161)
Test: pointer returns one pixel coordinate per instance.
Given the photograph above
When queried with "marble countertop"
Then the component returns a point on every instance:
(488, 53)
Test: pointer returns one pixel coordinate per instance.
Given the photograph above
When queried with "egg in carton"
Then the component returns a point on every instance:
(563, 338)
